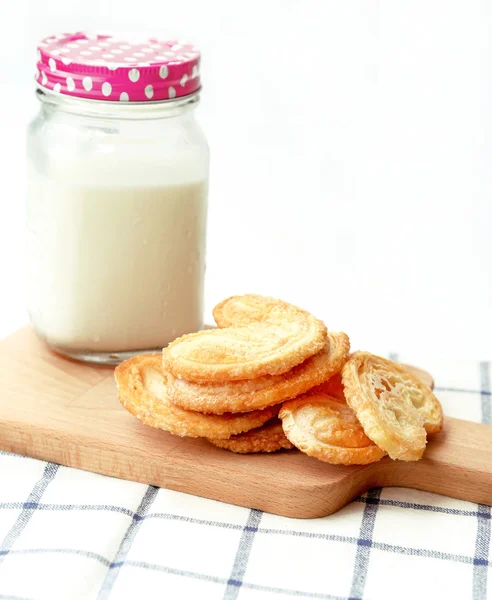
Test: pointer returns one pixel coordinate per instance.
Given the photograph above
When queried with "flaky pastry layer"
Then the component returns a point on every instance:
(327, 429)
(253, 308)
(251, 394)
(267, 438)
(142, 390)
(395, 408)
(247, 352)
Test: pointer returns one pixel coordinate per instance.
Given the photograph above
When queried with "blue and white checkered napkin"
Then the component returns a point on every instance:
(68, 535)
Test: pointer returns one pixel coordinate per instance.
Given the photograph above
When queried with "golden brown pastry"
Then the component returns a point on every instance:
(142, 390)
(332, 387)
(267, 438)
(394, 407)
(327, 429)
(247, 352)
(250, 394)
(253, 308)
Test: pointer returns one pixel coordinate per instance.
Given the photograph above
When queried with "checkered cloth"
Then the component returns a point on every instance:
(68, 535)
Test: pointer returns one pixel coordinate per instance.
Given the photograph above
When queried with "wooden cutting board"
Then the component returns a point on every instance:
(66, 412)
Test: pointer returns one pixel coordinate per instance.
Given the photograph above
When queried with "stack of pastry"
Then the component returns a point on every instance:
(272, 377)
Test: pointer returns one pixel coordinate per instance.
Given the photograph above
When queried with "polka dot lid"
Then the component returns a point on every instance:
(107, 67)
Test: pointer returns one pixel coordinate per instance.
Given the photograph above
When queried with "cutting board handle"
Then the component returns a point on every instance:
(456, 463)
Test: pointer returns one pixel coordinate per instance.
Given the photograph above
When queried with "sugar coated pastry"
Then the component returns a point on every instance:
(253, 308)
(246, 352)
(327, 429)
(269, 358)
(395, 408)
(250, 394)
(267, 438)
(142, 390)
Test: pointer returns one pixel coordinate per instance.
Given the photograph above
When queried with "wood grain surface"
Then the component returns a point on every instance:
(66, 412)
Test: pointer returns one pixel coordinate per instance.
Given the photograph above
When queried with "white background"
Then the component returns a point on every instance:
(352, 152)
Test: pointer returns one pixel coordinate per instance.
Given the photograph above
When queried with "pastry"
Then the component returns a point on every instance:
(327, 429)
(332, 387)
(141, 384)
(246, 352)
(394, 407)
(250, 394)
(253, 308)
(267, 438)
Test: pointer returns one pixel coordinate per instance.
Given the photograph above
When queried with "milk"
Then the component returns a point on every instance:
(115, 269)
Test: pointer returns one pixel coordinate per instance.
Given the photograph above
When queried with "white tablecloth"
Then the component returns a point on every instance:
(68, 535)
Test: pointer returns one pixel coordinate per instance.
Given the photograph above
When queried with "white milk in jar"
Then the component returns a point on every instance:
(117, 201)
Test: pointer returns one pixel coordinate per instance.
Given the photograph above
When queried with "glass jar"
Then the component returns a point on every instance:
(117, 207)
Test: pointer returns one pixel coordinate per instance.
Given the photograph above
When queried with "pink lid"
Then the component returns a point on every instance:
(109, 67)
